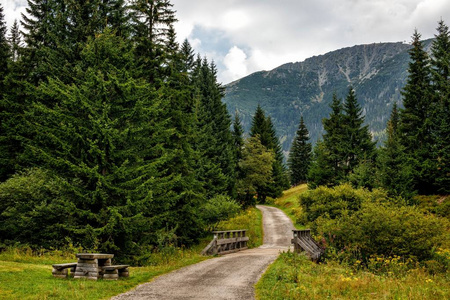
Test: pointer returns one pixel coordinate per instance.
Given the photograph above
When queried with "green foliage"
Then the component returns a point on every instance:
(393, 230)
(36, 210)
(335, 202)
(300, 155)
(217, 209)
(256, 167)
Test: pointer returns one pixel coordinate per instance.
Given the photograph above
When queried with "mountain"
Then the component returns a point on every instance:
(377, 72)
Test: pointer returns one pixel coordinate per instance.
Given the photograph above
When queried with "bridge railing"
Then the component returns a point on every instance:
(303, 241)
(227, 241)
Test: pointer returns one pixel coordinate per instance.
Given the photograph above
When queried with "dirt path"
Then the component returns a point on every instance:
(231, 276)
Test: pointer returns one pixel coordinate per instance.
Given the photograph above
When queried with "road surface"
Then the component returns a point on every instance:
(231, 276)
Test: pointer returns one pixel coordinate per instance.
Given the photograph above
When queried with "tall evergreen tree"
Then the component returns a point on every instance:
(300, 155)
(415, 118)
(238, 143)
(152, 20)
(333, 140)
(440, 68)
(215, 145)
(15, 41)
(4, 50)
(394, 167)
(357, 142)
(106, 139)
(262, 127)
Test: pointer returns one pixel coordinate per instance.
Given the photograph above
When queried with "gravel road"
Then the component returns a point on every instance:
(231, 276)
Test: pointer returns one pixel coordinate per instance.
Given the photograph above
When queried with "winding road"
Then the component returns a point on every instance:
(231, 276)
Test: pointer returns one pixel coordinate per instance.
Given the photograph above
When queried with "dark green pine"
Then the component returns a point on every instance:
(440, 68)
(4, 49)
(395, 173)
(15, 41)
(416, 118)
(357, 141)
(333, 142)
(215, 142)
(106, 139)
(300, 155)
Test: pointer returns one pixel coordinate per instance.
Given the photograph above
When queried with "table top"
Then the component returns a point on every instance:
(94, 255)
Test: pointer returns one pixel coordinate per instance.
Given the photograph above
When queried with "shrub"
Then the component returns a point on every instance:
(217, 209)
(383, 229)
(333, 202)
(34, 210)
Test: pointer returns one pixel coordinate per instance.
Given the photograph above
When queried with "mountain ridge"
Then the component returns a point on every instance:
(376, 71)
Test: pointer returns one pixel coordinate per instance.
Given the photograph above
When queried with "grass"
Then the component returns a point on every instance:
(290, 205)
(25, 274)
(294, 276)
(250, 219)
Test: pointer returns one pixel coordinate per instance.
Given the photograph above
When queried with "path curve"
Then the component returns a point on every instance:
(231, 276)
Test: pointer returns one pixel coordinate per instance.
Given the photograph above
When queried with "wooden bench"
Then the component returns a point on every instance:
(114, 272)
(60, 270)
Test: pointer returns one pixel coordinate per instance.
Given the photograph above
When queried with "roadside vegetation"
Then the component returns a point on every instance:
(376, 247)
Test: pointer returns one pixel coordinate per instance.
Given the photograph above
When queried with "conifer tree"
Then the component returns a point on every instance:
(300, 155)
(321, 171)
(440, 68)
(415, 118)
(215, 145)
(394, 167)
(333, 140)
(263, 128)
(357, 142)
(106, 139)
(152, 20)
(238, 144)
(15, 41)
(4, 50)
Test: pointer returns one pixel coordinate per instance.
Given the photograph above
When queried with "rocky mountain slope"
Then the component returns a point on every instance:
(376, 71)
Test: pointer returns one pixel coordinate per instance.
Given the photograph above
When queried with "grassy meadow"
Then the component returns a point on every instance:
(27, 274)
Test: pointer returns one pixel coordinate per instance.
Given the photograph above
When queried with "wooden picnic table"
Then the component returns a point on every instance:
(90, 265)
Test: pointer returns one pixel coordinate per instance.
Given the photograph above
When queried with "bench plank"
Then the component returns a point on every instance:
(64, 266)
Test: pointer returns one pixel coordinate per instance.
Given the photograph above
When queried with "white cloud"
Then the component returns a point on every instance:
(273, 32)
(235, 63)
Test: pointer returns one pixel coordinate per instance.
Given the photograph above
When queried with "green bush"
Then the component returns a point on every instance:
(383, 229)
(333, 202)
(33, 210)
(217, 209)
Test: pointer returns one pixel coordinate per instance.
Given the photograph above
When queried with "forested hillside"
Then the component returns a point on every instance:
(377, 72)
(113, 136)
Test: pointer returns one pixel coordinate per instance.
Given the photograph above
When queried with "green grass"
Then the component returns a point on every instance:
(25, 276)
(250, 219)
(290, 205)
(296, 277)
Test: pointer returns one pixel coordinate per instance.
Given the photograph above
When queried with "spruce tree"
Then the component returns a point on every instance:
(440, 68)
(105, 138)
(4, 50)
(300, 155)
(15, 41)
(395, 173)
(152, 20)
(333, 142)
(238, 143)
(215, 146)
(357, 142)
(415, 118)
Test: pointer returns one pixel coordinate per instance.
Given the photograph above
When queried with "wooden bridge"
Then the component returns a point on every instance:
(226, 242)
(304, 242)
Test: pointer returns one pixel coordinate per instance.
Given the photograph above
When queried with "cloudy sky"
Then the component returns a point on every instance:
(244, 36)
